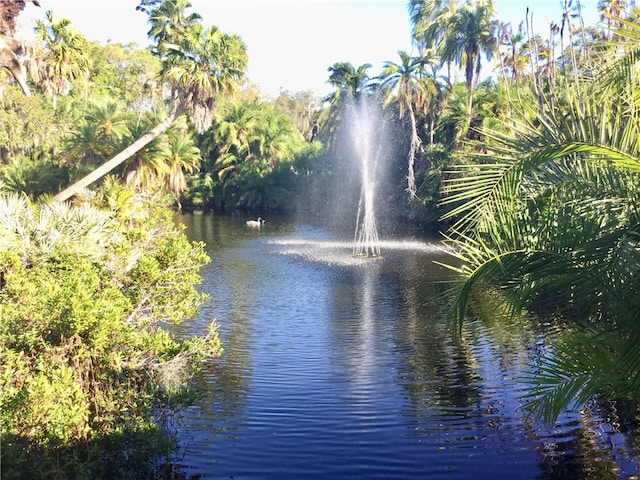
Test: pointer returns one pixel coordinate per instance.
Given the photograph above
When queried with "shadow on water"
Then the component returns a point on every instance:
(147, 453)
(342, 367)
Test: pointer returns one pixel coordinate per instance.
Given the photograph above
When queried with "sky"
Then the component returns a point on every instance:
(291, 43)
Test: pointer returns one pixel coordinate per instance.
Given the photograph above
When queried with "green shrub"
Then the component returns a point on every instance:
(83, 355)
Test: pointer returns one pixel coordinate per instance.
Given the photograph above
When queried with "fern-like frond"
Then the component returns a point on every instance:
(586, 364)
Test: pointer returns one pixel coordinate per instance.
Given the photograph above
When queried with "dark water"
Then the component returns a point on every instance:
(336, 367)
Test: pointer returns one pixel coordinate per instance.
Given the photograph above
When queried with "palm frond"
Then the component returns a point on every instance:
(584, 365)
(39, 231)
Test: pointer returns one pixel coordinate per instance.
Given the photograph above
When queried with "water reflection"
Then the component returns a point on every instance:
(340, 367)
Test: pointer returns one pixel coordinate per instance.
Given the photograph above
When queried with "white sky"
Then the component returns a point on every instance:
(291, 43)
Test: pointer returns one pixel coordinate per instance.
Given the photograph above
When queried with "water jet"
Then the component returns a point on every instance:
(367, 143)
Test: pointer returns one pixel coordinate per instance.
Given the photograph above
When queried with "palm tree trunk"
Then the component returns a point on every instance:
(415, 144)
(123, 155)
(432, 128)
(469, 107)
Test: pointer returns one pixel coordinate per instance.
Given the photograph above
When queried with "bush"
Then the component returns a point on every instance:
(83, 355)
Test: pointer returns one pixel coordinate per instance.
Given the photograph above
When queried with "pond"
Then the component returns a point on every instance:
(340, 367)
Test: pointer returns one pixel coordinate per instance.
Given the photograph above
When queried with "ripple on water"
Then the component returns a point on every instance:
(341, 252)
(334, 371)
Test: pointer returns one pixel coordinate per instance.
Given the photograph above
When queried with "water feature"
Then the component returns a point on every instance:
(365, 128)
(343, 368)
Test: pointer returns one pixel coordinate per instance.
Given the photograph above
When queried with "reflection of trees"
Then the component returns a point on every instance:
(624, 417)
(222, 386)
(594, 442)
(218, 232)
(473, 375)
(384, 303)
(580, 449)
(438, 366)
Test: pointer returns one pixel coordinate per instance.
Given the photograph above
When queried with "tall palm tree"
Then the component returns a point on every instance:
(431, 20)
(406, 82)
(203, 64)
(511, 56)
(350, 84)
(516, 59)
(168, 22)
(64, 57)
(207, 63)
(470, 34)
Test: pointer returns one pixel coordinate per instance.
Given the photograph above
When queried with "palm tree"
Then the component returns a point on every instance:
(168, 22)
(470, 34)
(512, 59)
(549, 216)
(453, 121)
(182, 156)
(32, 177)
(203, 64)
(276, 139)
(407, 83)
(229, 142)
(431, 20)
(206, 64)
(143, 169)
(233, 129)
(516, 59)
(160, 165)
(350, 83)
(95, 136)
(63, 59)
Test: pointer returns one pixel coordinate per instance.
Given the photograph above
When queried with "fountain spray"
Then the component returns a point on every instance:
(366, 242)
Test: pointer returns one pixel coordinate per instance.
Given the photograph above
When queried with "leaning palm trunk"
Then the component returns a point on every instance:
(131, 150)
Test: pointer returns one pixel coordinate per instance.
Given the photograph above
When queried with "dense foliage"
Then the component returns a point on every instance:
(545, 209)
(532, 172)
(84, 293)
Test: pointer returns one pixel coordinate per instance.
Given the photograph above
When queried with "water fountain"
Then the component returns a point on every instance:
(362, 147)
(367, 142)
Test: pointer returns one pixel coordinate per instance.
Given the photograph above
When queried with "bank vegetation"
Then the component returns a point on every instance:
(528, 164)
